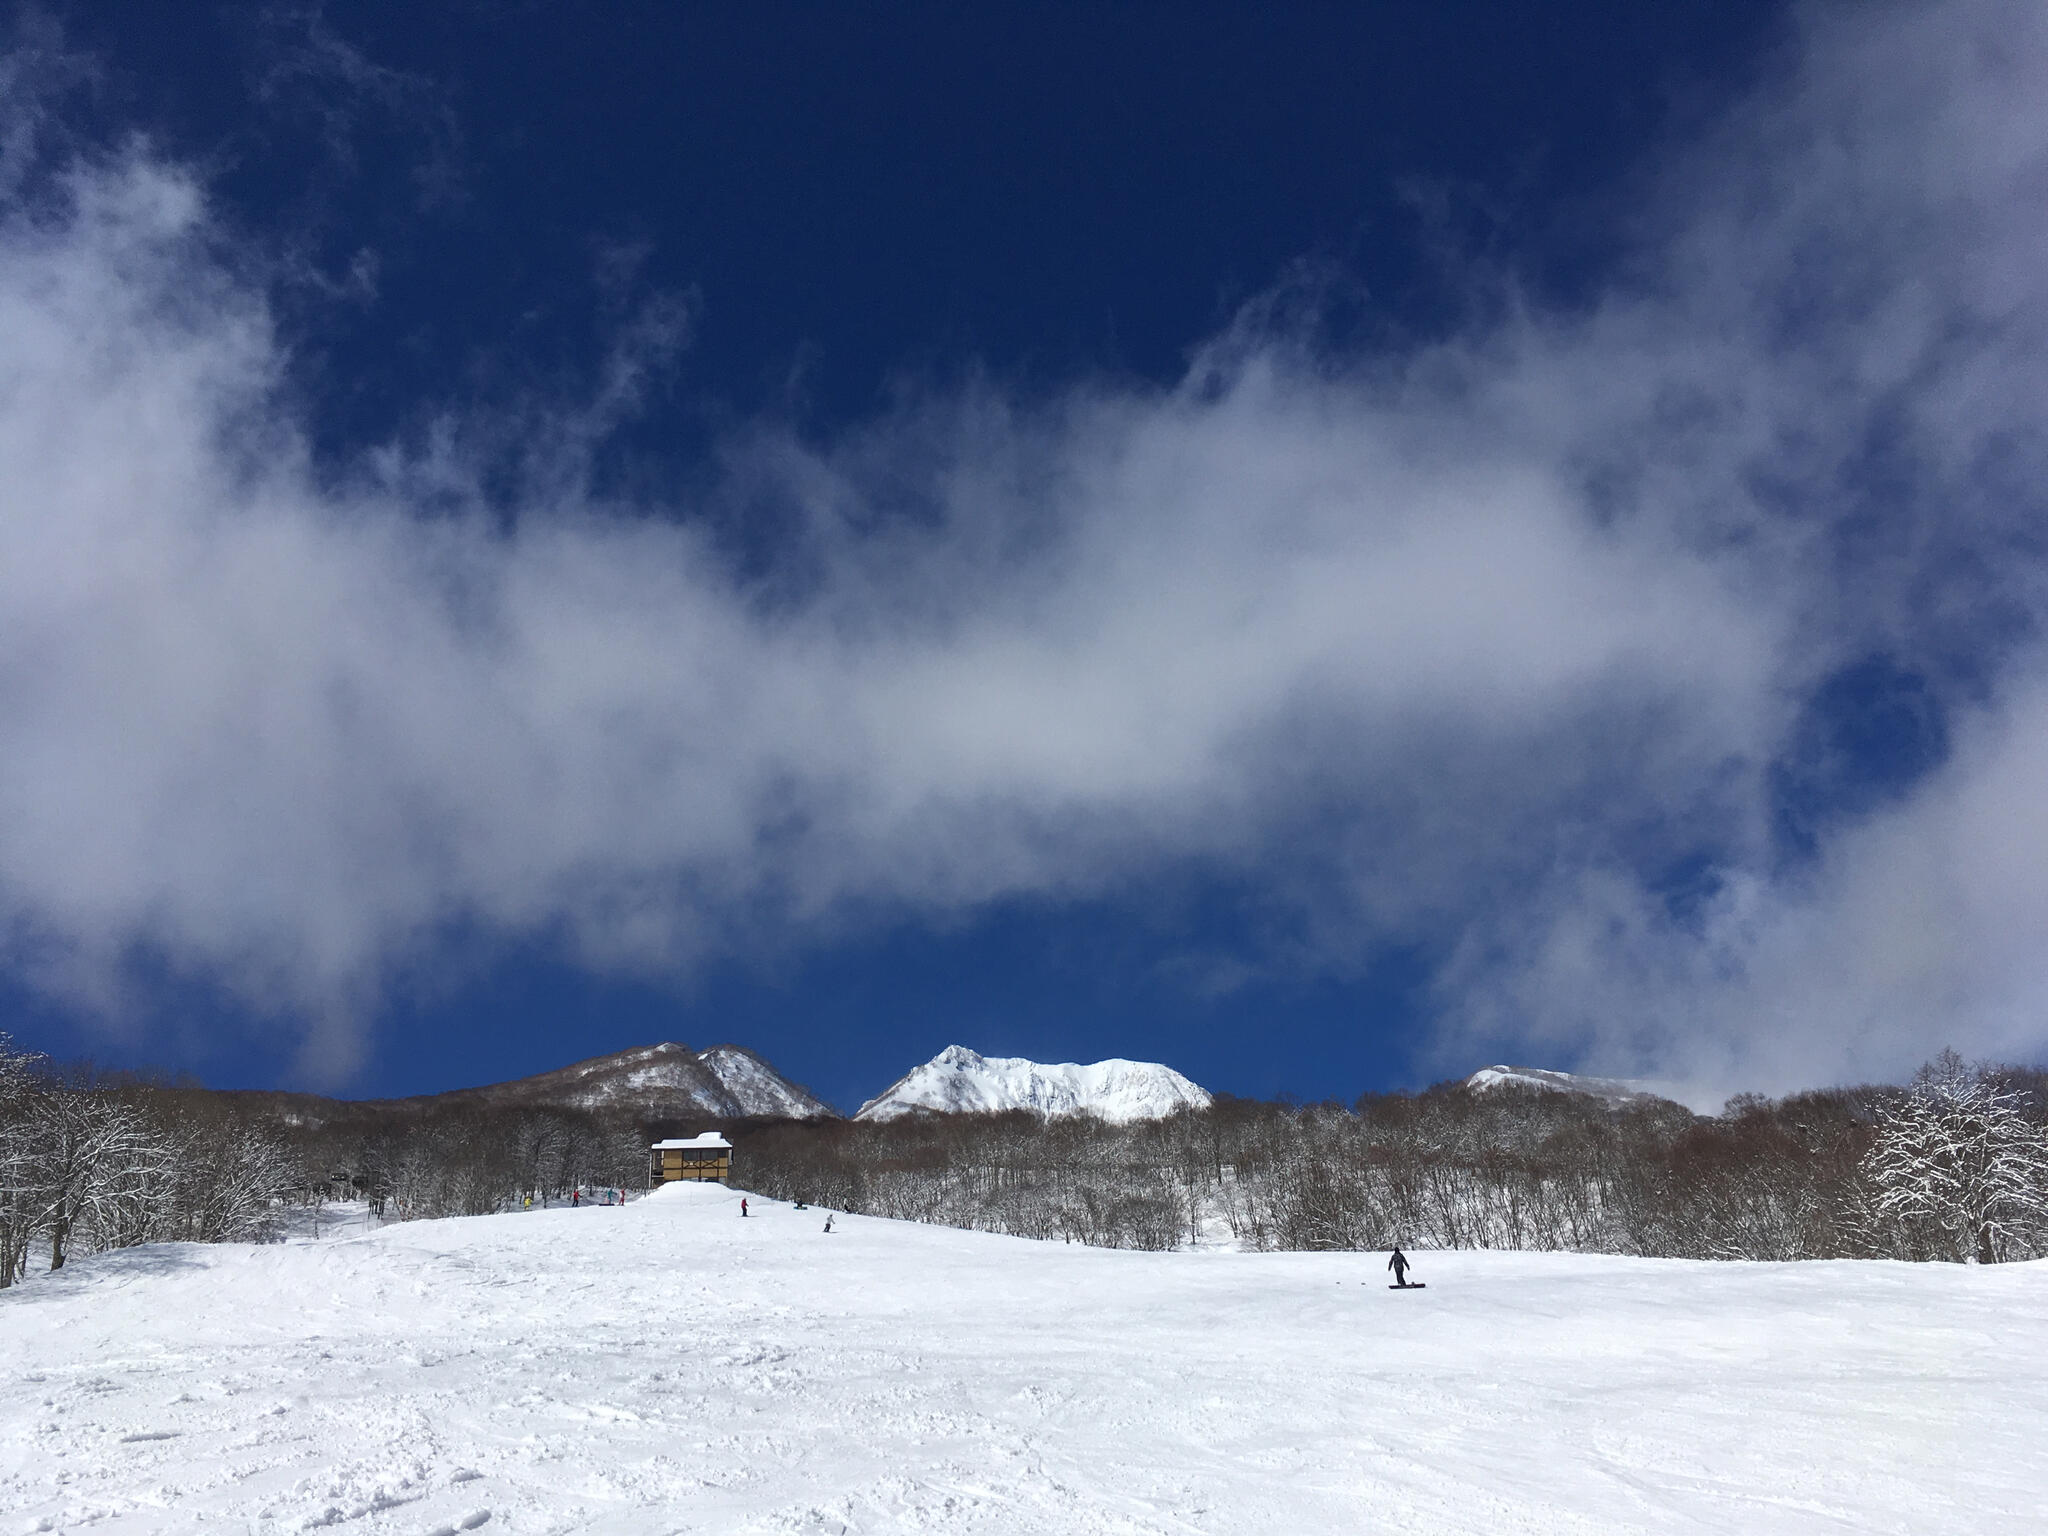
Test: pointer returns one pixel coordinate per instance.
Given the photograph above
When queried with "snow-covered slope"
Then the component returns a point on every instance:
(958, 1081)
(1615, 1090)
(671, 1368)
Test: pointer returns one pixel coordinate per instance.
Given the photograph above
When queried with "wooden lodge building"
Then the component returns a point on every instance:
(707, 1157)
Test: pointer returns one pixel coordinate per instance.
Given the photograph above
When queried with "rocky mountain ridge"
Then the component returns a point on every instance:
(722, 1082)
(1612, 1090)
(961, 1081)
(664, 1083)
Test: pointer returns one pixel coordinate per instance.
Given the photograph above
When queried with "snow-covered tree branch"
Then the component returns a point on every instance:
(1961, 1167)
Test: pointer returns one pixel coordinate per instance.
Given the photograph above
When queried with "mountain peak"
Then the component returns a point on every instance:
(666, 1079)
(1615, 1090)
(757, 1087)
(961, 1081)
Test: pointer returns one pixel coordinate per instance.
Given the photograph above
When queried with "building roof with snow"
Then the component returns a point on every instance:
(708, 1140)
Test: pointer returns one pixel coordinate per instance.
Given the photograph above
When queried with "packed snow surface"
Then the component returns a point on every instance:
(958, 1080)
(670, 1367)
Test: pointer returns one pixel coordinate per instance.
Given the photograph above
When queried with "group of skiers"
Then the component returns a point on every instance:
(1398, 1263)
(611, 1197)
(800, 1206)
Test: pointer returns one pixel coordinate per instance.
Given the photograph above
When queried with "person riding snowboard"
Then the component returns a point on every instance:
(1399, 1265)
(743, 1205)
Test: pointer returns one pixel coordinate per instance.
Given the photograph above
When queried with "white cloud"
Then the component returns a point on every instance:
(1472, 644)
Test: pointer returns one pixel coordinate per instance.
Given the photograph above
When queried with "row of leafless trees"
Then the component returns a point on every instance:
(1075, 1179)
(412, 1162)
(87, 1165)
(90, 1162)
(1954, 1167)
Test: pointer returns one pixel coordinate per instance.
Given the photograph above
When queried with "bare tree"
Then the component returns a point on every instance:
(1957, 1161)
(232, 1179)
(101, 1173)
(20, 1094)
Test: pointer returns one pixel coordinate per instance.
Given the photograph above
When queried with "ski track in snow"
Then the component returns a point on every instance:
(671, 1368)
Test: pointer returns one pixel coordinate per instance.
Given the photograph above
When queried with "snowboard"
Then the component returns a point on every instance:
(1412, 1285)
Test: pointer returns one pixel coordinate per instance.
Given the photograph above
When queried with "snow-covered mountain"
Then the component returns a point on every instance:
(960, 1081)
(756, 1087)
(1615, 1090)
(724, 1082)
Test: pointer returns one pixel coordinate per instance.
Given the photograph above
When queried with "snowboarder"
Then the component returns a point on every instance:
(743, 1205)
(1399, 1265)
(828, 1221)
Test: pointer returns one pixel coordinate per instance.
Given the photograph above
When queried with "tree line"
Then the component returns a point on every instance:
(91, 1161)
(1952, 1167)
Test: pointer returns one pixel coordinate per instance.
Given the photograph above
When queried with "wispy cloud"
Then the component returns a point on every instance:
(1468, 648)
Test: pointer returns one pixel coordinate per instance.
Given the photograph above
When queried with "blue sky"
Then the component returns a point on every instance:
(1323, 545)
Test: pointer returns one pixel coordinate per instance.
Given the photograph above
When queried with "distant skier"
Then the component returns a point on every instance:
(743, 1205)
(576, 1197)
(1399, 1265)
(828, 1221)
